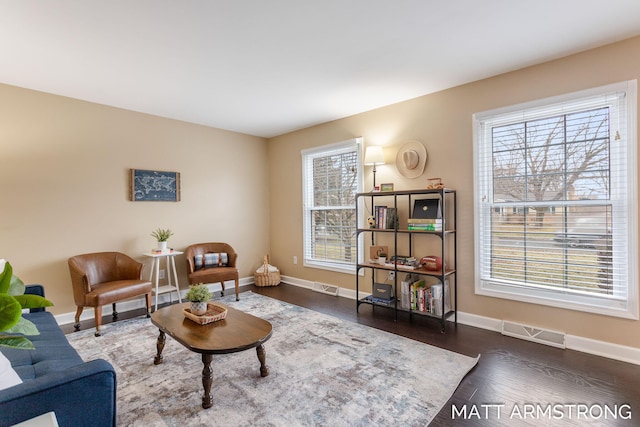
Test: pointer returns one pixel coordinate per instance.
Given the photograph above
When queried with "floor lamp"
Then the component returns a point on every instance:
(373, 156)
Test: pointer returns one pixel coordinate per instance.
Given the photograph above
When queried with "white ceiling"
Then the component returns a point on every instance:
(267, 67)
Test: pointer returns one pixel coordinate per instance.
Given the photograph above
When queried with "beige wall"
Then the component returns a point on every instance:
(443, 122)
(64, 182)
(64, 185)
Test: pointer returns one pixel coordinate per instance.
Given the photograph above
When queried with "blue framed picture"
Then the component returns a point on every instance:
(154, 186)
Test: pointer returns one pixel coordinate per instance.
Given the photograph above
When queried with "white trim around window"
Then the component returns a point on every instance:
(548, 229)
(331, 177)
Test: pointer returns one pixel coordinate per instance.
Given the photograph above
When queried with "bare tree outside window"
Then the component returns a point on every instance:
(555, 201)
(536, 164)
(559, 158)
(332, 178)
(333, 213)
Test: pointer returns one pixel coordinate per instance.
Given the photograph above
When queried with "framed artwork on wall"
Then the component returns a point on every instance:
(154, 186)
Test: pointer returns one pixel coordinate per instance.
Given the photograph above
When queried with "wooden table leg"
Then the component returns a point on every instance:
(207, 381)
(160, 346)
(262, 355)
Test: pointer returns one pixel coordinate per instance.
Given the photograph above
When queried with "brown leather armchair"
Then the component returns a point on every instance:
(199, 271)
(105, 278)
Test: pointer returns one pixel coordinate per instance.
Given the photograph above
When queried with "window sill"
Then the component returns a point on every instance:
(337, 268)
(591, 304)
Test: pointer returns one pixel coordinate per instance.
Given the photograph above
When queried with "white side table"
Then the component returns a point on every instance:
(155, 271)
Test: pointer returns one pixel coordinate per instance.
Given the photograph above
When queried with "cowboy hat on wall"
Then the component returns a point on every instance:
(411, 159)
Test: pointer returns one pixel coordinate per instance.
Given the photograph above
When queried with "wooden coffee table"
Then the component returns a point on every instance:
(239, 331)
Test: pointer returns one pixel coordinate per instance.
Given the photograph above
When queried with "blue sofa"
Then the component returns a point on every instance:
(56, 379)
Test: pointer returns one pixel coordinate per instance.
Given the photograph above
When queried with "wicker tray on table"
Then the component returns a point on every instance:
(214, 313)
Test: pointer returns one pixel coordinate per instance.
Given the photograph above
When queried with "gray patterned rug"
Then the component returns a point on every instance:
(323, 372)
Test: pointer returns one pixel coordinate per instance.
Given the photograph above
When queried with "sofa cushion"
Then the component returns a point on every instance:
(52, 350)
(8, 377)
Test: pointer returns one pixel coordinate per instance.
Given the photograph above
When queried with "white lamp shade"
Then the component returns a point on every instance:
(373, 155)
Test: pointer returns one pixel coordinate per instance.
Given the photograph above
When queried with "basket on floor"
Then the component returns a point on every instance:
(267, 275)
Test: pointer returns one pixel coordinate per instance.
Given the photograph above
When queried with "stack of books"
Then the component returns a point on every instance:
(425, 224)
(381, 301)
(405, 262)
(416, 295)
(386, 218)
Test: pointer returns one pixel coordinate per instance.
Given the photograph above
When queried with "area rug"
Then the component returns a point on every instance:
(323, 372)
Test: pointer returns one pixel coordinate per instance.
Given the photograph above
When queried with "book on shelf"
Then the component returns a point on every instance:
(386, 218)
(416, 295)
(379, 214)
(405, 290)
(427, 208)
(424, 227)
(424, 221)
(402, 259)
(407, 267)
(435, 307)
(391, 219)
(381, 301)
(405, 262)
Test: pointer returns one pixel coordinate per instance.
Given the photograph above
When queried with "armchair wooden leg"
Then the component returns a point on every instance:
(114, 313)
(148, 303)
(98, 315)
(222, 292)
(76, 325)
(237, 290)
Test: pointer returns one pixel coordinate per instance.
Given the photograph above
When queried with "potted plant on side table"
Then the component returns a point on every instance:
(198, 295)
(162, 235)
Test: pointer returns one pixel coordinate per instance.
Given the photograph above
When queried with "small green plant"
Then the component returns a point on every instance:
(198, 293)
(14, 327)
(382, 255)
(162, 235)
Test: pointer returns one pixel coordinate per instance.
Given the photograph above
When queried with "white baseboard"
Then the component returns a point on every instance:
(573, 342)
(136, 303)
(604, 349)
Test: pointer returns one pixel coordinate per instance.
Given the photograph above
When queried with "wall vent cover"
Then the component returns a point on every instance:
(530, 333)
(325, 289)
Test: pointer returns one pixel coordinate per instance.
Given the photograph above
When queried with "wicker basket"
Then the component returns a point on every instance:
(266, 278)
(214, 313)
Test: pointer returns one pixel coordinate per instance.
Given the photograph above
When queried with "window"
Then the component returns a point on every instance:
(331, 178)
(555, 202)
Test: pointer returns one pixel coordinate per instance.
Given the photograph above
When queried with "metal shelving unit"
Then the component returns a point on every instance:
(446, 275)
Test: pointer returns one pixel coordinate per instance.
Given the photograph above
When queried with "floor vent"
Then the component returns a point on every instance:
(530, 333)
(325, 289)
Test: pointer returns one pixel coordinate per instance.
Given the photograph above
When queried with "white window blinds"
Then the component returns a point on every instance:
(331, 178)
(556, 215)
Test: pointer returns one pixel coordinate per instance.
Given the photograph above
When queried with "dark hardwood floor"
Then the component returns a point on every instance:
(515, 383)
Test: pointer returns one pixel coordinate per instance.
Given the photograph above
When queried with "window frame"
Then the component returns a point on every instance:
(625, 201)
(350, 145)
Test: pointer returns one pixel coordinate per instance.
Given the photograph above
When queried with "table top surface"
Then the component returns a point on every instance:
(159, 254)
(237, 332)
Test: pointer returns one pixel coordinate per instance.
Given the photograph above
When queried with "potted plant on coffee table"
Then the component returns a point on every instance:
(198, 295)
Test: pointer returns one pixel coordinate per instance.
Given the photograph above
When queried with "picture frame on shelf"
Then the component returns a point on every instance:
(375, 251)
(386, 187)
